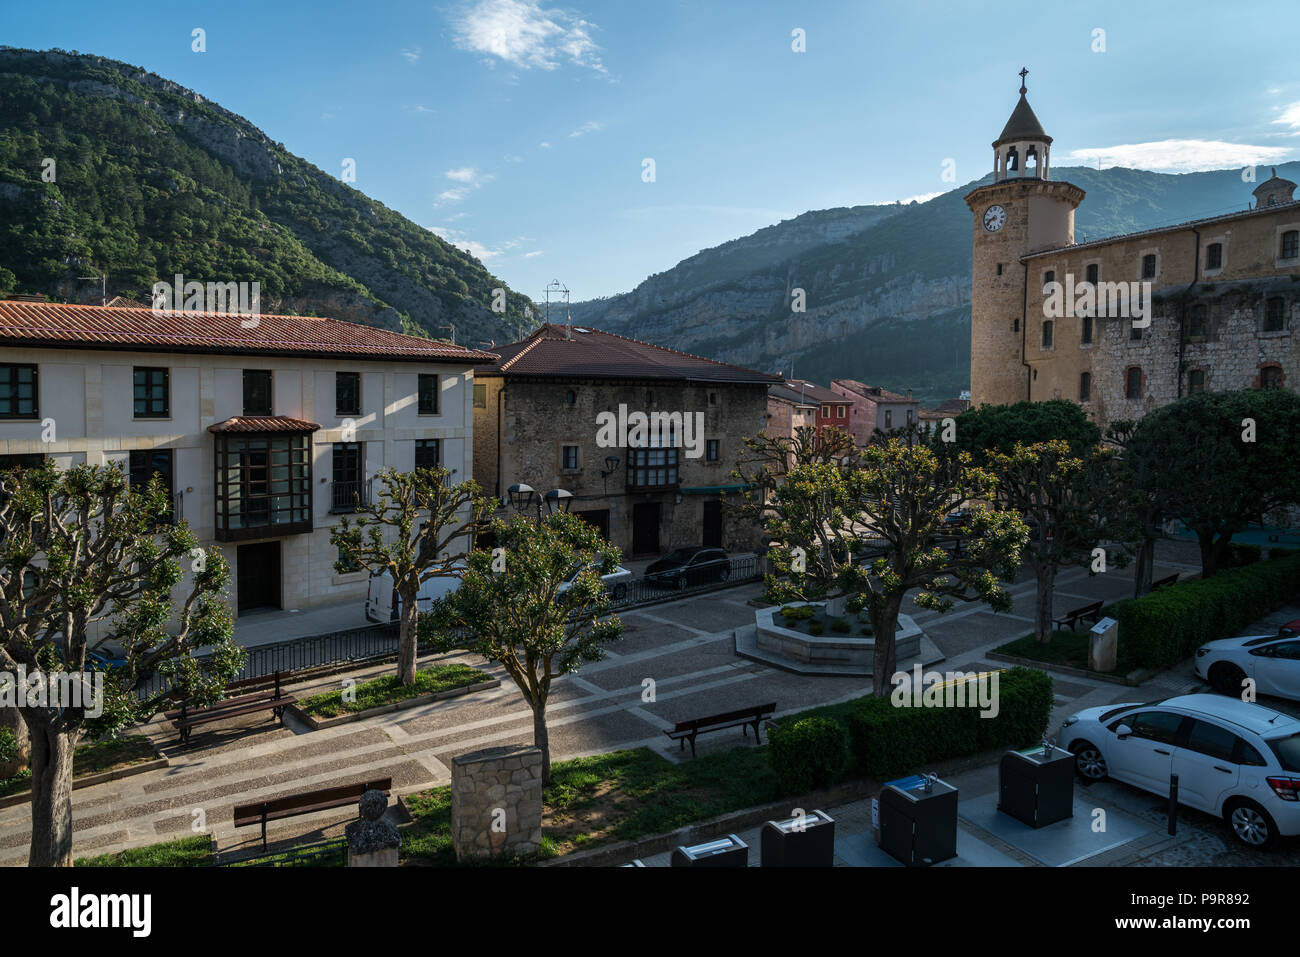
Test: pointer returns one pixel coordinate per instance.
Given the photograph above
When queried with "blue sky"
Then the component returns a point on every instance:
(519, 129)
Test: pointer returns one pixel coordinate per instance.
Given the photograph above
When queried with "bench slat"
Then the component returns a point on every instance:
(307, 802)
(207, 717)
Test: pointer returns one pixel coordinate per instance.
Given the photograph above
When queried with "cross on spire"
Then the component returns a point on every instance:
(1023, 73)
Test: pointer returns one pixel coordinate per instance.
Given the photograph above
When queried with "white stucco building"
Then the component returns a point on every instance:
(264, 435)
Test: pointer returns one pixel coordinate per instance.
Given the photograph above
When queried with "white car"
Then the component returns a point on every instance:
(1235, 760)
(1273, 661)
(383, 603)
(615, 582)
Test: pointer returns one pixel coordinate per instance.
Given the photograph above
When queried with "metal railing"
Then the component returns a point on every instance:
(349, 496)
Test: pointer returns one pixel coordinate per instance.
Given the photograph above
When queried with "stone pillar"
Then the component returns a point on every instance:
(496, 801)
(373, 842)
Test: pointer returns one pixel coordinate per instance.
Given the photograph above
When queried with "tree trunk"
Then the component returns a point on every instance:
(1211, 553)
(11, 720)
(885, 660)
(1045, 576)
(1145, 564)
(407, 640)
(542, 740)
(51, 797)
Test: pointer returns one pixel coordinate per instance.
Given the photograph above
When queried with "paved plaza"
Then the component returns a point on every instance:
(685, 646)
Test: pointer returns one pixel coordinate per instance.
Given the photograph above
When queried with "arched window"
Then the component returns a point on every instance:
(1196, 382)
(1085, 386)
(1214, 256)
(1047, 333)
(1270, 377)
(1133, 383)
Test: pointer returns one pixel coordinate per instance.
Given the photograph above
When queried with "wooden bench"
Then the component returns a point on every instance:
(260, 812)
(685, 731)
(186, 718)
(1167, 580)
(1088, 613)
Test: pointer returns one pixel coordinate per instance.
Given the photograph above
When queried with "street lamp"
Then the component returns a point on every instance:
(558, 500)
(524, 498)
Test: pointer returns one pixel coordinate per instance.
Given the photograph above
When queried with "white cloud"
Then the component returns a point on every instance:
(479, 250)
(412, 54)
(591, 126)
(1178, 156)
(920, 197)
(524, 34)
(469, 179)
(532, 255)
(544, 145)
(1290, 116)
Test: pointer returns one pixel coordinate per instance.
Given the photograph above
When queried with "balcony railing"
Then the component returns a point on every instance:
(349, 496)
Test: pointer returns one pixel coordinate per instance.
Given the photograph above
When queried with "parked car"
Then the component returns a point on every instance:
(615, 582)
(957, 519)
(383, 603)
(693, 565)
(1234, 759)
(1273, 661)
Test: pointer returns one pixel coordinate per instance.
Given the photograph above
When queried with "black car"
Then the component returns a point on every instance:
(693, 565)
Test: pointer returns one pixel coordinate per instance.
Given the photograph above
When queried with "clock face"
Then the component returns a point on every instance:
(994, 218)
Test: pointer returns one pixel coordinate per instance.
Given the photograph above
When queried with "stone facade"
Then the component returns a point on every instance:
(872, 407)
(496, 801)
(1224, 299)
(522, 426)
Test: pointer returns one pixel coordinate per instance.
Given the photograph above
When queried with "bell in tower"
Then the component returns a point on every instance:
(1022, 149)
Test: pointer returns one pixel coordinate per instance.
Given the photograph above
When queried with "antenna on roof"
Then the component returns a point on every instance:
(103, 287)
(559, 287)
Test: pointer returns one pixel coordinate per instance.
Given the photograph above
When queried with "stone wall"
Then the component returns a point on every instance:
(496, 801)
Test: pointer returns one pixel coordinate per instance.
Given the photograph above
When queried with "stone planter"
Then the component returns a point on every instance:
(853, 654)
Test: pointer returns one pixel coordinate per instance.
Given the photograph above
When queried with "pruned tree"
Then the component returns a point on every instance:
(1068, 501)
(1219, 461)
(419, 527)
(513, 607)
(86, 564)
(900, 494)
(796, 517)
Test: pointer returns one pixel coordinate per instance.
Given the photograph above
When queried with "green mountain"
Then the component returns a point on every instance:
(149, 179)
(887, 290)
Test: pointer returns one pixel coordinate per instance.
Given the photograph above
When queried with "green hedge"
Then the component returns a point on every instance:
(807, 753)
(889, 740)
(1162, 628)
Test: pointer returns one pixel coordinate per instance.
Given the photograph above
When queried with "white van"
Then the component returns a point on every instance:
(382, 603)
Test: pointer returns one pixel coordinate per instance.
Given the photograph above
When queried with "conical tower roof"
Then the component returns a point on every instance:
(1023, 125)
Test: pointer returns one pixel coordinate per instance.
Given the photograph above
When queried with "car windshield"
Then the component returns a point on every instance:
(1288, 751)
(678, 555)
(1127, 707)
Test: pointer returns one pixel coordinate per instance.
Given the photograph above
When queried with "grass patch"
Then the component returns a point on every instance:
(388, 689)
(195, 851)
(619, 796)
(1068, 648)
(92, 757)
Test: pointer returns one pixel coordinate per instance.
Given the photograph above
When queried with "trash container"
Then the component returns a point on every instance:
(729, 851)
(1034, 789)
(918, 827)
(804, 841)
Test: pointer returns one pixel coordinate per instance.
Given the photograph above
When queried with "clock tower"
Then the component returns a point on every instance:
(1020, 212)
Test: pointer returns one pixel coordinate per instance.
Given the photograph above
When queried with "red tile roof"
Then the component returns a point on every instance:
(593, 354)
(142, 329)
(263, 423)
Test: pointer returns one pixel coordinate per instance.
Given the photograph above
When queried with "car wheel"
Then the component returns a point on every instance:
(620, 591)
(1251, 824)
(1088, 761)
(1226, 678)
